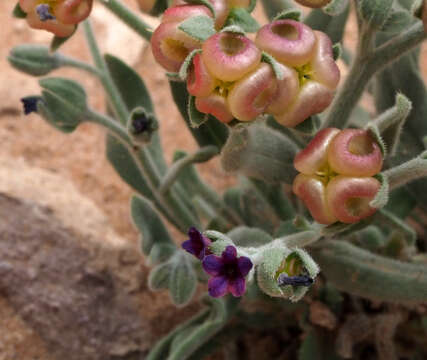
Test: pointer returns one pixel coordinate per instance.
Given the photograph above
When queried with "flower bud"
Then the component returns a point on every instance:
(170, 45)
(313, 3)
(314, 156)
(33, 59)
(199, 81)
(289, 41)
(354, 152)
(349, 197)
(312, 191)
(282, 262)
(63, 103)
(141, 126)
(215, 105)
(229, 56)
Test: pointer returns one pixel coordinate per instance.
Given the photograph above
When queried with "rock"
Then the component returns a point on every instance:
(73, 296)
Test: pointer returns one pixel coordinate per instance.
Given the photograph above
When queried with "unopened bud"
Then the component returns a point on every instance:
(141, 126)
(33, 59)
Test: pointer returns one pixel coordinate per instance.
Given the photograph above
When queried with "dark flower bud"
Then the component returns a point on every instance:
(141, 126)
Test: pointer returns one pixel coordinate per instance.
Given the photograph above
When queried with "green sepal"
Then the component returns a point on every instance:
(198, 27)
(183, 279)
(57, 41)
(337, 51)
(335, 7)
(212, 132)
(149, 224)
(362, 273)
(185, 67)
(381, 198)
(18, 12)
(196, 117)
(35, 60)
(244, 236)
(267, 58)
(291, 14)
(242, 18)
(63, 103)
(375, 13)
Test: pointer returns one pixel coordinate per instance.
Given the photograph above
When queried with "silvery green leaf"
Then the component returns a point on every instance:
(198, 27)
(182, 280)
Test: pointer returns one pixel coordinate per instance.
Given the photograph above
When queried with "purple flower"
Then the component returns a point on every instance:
(228, 273)
(197, 244)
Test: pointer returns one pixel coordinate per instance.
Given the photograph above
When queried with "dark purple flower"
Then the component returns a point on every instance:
(228, 273)
(197, 244)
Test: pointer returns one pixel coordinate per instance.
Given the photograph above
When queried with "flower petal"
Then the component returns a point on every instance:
(212, 265)
(237, 286)
(245, 265)
(217, 286)
(229, 255)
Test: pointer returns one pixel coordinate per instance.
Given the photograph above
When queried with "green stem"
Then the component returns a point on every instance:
(114, 97)
(77, 64)
(181, 213)
(362, 273)
(129, 18)
(201, 155)
(409, 171)
(366, 64)
(354, 85)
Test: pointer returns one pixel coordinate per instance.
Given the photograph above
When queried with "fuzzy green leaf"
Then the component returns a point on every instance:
(249, 237)
(149, 224)
(198, 27)
(375, 12)
(242, 18)
(160, 276)
(183, 279)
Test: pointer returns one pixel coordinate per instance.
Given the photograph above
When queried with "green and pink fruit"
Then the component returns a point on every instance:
(229, 56)
(354, 152)
(349, 197)
(288, 41)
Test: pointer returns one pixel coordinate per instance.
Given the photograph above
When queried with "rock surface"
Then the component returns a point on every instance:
(73, 296)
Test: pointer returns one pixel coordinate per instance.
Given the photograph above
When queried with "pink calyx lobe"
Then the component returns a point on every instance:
(312, 191)
(349, 197)
(229, 56)
(354, 152)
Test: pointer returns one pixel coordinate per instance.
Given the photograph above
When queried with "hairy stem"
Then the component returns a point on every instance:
(114, 97)
(365, 65)
(409, 171)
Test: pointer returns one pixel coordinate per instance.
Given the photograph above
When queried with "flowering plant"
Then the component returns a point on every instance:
(326, 188)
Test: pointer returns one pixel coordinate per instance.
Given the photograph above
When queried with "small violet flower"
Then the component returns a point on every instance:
(197, 244)
(228, 273)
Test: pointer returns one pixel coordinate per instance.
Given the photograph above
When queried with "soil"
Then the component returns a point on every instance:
(79, 156)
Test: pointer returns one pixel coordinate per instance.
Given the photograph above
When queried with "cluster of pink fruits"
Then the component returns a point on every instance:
(229, 78)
